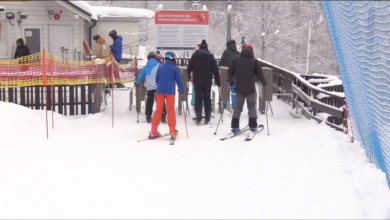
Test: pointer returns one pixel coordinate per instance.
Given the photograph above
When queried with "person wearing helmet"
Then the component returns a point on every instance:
(102, 48)
(168, 76)
(116, 50)
(226, 59)
(158, 57)
(202, 65)
(149, 73)
(243, 71)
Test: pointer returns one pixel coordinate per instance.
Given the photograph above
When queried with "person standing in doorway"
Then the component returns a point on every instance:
(243, 71)
(21, 49)
(116, 50)
(149, 72)
(226, 59)
(203, 66)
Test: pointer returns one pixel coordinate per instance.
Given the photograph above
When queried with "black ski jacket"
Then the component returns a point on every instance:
(21, 50)
(245, 68)
(203, 66)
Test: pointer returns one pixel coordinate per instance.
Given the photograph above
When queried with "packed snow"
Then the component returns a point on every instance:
(87, 169)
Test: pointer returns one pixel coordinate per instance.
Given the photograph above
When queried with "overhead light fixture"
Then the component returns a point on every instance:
(51, 12)
(1, 8)
(9, 15)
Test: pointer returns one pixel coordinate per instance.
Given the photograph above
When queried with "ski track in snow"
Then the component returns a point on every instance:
(87, 169)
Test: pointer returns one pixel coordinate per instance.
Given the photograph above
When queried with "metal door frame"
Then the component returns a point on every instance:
(40, 27)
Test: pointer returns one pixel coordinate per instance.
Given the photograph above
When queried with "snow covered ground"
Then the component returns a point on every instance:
(87, 169)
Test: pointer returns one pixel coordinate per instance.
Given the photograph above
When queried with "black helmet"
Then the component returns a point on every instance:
(151, 55)
(112, 33)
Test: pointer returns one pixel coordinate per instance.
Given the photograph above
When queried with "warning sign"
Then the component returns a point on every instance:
(180, 30)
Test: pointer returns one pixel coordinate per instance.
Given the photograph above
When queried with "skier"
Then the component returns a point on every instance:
(244, 68)
(116, 50)
(102, 48)
(226, 59)
(203, 66)
(149, 73)
(166, 77)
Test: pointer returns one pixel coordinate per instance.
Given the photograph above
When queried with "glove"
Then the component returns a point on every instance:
(218, 84)
(231, 82)
(264, 84)
(135, 85)
(182, 94)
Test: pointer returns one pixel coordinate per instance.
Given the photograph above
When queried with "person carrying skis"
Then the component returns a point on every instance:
(168, 75)
(102, 48)
(226, 59)
(203, 66)
(149, 72)
(244, 68)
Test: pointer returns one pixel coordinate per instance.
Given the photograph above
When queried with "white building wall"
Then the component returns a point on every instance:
(37, 12)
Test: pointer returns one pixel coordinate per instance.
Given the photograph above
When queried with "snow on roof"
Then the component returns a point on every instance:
(86, 7)
(102, 11)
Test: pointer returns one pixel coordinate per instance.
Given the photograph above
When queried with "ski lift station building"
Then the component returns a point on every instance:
(51, 25)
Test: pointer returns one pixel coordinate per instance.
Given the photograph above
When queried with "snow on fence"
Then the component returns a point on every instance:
(359, 32)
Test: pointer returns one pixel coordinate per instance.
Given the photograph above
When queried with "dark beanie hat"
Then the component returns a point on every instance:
(96, 37)
(231, 41)
(203, 45)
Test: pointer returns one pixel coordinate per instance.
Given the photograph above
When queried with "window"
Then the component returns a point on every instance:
(3, 39)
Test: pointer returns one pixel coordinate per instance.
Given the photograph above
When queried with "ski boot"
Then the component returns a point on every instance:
(154, 133)
(236, 130)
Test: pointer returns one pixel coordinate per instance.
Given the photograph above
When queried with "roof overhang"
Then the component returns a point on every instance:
(122, 19)
(84, 14)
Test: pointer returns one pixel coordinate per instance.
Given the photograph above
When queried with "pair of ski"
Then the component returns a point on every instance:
(250, 136)
(171, 141)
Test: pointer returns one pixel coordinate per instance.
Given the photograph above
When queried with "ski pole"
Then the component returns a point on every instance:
(220, 100)
(136, 102)
(266, 115)
(185, 118)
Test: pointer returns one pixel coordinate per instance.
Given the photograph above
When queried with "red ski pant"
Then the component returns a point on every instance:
(160, 100)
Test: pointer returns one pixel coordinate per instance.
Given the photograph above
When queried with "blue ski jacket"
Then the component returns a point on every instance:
(116, 48)
(166, 77)
(149, 72)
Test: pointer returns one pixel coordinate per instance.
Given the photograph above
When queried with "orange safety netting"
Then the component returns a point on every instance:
(44, 68)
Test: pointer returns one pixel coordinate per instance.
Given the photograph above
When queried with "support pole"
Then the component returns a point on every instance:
(52, 93)
(112, 88)
(44, 85)
(308, 49)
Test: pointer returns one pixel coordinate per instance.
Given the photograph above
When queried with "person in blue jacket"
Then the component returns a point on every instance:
(116, 50)
(168, 75)
(149, 72)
